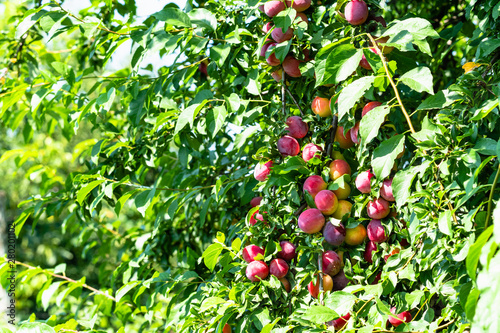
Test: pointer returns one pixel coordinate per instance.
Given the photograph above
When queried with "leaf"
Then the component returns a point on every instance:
(173, 16)
(29, 20)
(486, 146)
(211, 302)
(187, 116)
(475, 252)
(144, 199)
(35, 328)
(211, 255)
(125, 289)
(418, 79)
(369, 125)
(284, 19)
(385, 154)
(440, 100)
(470, 66)
(340, 301)
(319, 314)
(419, 28)
(485, 109)
(341, 63)
(444, 222)
(216, 117)
(486, 47)
(403, 180)
(269, 327)
(219, 53)
(204, 18)
(352, 93)
(49, 292)
(83, 192)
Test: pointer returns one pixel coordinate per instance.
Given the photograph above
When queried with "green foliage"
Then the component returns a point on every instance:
(130, 187)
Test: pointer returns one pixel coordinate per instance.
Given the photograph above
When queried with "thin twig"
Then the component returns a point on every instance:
(333, 131)
(320, 266)
(490, 199)
(283, 100)
(294, 100)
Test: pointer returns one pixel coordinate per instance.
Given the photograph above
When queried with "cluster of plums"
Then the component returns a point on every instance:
(330, 205)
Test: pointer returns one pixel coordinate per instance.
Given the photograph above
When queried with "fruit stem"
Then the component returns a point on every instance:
(332, 135)
(384, 63)
(283, 102)
(490, 199)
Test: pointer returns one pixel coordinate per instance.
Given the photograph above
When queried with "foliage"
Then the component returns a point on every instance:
(139, 182)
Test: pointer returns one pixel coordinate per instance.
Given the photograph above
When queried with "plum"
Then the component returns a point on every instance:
(321, 107)
(326, 201)
(251, 251)
(369, 106)
(278, 268)
(356, 235)
(314, 184)
(343, 209)
(311, 150)
(311, 221)
(344, 141)
(331, 263)
(262, 171)
(291, 66)
(273, 7)
(299, 5)
(356, 12)
(343, 192)
(370, 247)
(386, 190)
(256, 216)
(296, 127)
(287, 251)
(404, 317)
(338, 168)
(334, 235)
(363, 181)
(340, 281)
(286, 284)
(340, 322)
(288, 146)
(255, 201)
(279, 36)
(257, 270)
(376, 232)
(377, 209)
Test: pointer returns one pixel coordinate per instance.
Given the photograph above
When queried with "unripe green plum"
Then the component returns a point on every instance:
(334, 235)
(279, 36)
(369, 106)
(363, 181)
(356, 235)
(257, 270)
(273, 7)
(311, 150)
(321, 107)
(311, 221)
(299, 5)
(376, 232)
(314, 184)
(291, 67)
(326, 201)
(338, 168)
(288, 146)
(343, 209)
(288, 251)
(278, 268)
(251, 251)
(377, 209)
(262, 171)
(370, 247)
(344, 141)
(331, 263)
(386, 190)
(356, 12)
(296, 127)
(343, 192)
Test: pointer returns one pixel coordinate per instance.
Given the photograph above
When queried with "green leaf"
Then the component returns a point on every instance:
(144, 199)
(269, 327)
(485, 109)
(486, 146)
(319, 314)
(125, 289)
(210, 303)
(340, 301)
(35, 328)
(49, 292)
(173, 16)
(385, 155)
(486, 47)
(403, 180)
(211, 255)
(30, 19)
(369, 125)
(444, 222)
(475, 251)
(188, 116)
(419, 28)
(440, 100)
(351, 94)
(219, 53)
(341, 63)
(84, 192)
(216, 118)
(204, 18)
(284, 19)
(418, 79)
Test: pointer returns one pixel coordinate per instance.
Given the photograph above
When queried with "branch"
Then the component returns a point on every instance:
(490, 199)
(283, 101)
(384, 63)
(332, 136)
(294, 100)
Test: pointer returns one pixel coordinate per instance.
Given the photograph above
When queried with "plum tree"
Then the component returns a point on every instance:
(370, 247)
(273, 7)
(291, 66)
(279, 36)
(343, 192)
(262, 170)
(363, 181)
(288, 146)
(343, 209)
(278, 268)
(356, 235)
(255, 201)
(288, 251)
(321, 107)
(326, 201)
(311, 150)
(251, 251)
(314, 184)
(404, 317)
(311, 221)
(377, 209)
(376, 232)
(296, 127)
(344, 141)
(386, 190)
(334, 234)
(338, 168)
(257, 270)
(331, 263)
(356, 12)
(298, 5)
